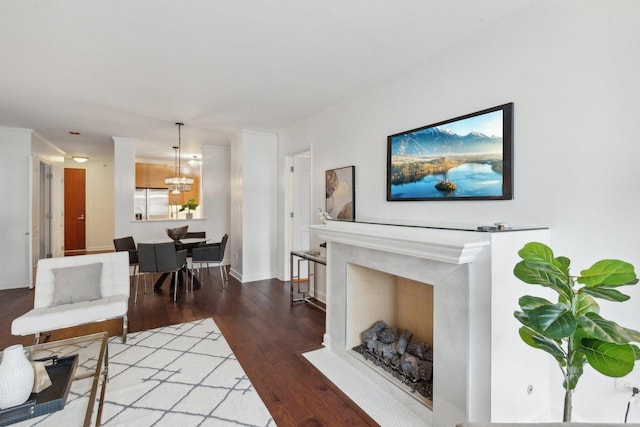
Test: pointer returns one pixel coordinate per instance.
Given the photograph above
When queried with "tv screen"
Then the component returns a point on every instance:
(465, 158)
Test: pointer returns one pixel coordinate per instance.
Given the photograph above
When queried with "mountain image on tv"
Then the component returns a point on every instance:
(436, 142)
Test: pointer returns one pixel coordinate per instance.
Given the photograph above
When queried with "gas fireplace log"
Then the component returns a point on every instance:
(403, 341)
(415, 368)
(372, 334)
(409, 362)
(388, 350)
(388, 335)
(421, 350)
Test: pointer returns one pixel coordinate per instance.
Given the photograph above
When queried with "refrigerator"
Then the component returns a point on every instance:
(151, 203)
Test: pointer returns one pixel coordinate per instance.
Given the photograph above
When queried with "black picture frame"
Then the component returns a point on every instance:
(465, 158)
(340, 193)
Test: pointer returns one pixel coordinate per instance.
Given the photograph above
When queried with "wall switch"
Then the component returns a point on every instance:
(626, 385)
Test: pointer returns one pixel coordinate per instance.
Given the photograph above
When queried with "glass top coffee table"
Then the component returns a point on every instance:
(90, 375)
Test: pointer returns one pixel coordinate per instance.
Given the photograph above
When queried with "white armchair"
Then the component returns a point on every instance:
(90, 288)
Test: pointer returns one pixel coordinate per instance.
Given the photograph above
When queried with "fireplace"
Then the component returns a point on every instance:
(401, 303)
(467, 294)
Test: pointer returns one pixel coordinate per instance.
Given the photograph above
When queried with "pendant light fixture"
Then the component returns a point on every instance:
(178, 183)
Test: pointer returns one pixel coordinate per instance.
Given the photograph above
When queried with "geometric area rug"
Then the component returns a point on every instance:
(181, 375)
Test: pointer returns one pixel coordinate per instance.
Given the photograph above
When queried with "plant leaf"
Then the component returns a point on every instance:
(536, 252)
(586, 304)
(536, 274)
(528, 302)
(563, 264)
(553, 321)
(523, 318)
(612, 360)
(605, 293)
(636, 351)
(633, 334)
(604, 330)
(608, 272)
(536, 340)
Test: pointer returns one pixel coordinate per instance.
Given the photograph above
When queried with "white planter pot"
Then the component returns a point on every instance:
(16, 377)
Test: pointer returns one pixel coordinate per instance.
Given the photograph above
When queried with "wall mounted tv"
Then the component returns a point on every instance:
(465, 158)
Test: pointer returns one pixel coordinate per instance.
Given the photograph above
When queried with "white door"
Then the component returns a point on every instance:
(301, 201)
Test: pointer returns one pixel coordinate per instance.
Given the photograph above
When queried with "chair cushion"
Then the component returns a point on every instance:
(77, 283)
(63, 316)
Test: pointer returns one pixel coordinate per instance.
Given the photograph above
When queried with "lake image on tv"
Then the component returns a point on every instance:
(458, 159)
(470, 179)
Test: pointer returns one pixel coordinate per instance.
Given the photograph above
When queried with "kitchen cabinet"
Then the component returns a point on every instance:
(151, 175)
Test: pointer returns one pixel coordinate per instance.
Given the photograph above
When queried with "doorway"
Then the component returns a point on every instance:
(301, 201)
(45, 215)
(74, 211)
(298, 209)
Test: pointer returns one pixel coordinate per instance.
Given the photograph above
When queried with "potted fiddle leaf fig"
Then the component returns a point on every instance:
(571, 328)
(189, 205)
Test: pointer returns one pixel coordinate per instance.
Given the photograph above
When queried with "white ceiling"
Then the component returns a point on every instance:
(132, 68)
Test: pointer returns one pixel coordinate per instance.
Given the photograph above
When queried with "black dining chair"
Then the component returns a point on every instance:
(161, 258)
(212, 254)
(146, 265)
(127, 244)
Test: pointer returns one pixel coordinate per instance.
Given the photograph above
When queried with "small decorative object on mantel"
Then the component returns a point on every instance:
(571, 330)
(16, 377)
(324, 216)
(189, 205)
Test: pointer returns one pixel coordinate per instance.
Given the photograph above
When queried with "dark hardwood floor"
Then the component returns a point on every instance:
(265, 332)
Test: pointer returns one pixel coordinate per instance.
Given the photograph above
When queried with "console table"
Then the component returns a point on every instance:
(300, 293)
(87, 386)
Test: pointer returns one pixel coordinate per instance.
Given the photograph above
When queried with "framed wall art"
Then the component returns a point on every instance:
(340, 202)
(465, 158)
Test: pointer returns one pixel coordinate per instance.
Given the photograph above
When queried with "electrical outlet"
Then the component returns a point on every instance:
(626, 385)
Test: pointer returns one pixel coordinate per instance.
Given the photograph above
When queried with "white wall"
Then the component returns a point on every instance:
(237, 182)
(571, 69)
(216, 197)
(15, 217)
(259, 195)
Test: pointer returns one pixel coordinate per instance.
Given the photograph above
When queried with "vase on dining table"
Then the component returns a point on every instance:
(16, 377)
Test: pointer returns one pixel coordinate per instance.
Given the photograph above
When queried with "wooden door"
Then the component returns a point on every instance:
(74, 211)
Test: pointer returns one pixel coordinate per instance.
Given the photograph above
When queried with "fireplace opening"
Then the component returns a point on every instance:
(406, 360)
(386, 315)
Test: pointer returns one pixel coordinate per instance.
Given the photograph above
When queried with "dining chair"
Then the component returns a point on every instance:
(127, 244)
(171, 260)
(146, 265)
(212, 254)
(192, 235)
(160, 258)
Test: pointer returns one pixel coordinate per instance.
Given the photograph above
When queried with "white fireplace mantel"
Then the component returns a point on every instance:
(435, 244)
(482, 371)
